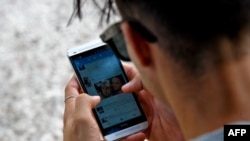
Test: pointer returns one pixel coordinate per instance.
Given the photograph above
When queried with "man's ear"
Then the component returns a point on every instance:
(137, 46)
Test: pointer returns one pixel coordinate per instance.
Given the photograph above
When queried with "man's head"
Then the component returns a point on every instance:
(185, 29)
(188, 33)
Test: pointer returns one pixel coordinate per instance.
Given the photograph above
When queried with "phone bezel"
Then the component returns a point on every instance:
(137, 124)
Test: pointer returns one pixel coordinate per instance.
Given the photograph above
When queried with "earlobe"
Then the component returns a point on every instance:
(137, 46)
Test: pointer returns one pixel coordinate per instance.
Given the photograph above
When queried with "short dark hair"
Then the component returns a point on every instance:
(189, 29)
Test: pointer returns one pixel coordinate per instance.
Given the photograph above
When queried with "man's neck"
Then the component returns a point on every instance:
(219, 97)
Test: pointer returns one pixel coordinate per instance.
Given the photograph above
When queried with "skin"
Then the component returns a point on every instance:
(200, 104)
(78, 118)
(79, 123)
(178, 105)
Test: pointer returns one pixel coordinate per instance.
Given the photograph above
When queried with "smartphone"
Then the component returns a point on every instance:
(100, 72)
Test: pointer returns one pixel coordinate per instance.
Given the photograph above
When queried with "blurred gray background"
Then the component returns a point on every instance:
(34, 68)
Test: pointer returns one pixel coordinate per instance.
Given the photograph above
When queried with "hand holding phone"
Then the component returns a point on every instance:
(100, 72)
(79, 123)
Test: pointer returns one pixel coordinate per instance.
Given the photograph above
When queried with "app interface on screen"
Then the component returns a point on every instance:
(102, 75)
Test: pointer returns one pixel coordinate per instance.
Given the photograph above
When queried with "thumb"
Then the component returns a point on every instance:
(85, 103)
(94, 100)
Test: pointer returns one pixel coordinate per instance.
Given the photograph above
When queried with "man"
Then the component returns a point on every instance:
(192, 69)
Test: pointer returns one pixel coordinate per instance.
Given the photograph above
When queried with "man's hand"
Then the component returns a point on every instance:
(163, 125)
(79, 122)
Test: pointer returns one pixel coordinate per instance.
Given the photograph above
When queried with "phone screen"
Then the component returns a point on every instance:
(100, 73)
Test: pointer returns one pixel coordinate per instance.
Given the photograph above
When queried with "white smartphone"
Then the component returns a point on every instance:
(100, 72)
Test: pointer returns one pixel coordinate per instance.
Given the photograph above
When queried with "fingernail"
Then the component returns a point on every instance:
(96, 97)
(125, 86)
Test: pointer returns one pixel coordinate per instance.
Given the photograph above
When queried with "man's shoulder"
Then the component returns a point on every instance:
(216, 135)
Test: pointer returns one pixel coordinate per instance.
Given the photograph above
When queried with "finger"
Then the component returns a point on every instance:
(72, 85)
(130, 70)
(85, 104)
(83, 112)
(71, 89)
(135, 85)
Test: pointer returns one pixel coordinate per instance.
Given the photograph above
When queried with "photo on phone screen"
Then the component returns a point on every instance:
(101, 73)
